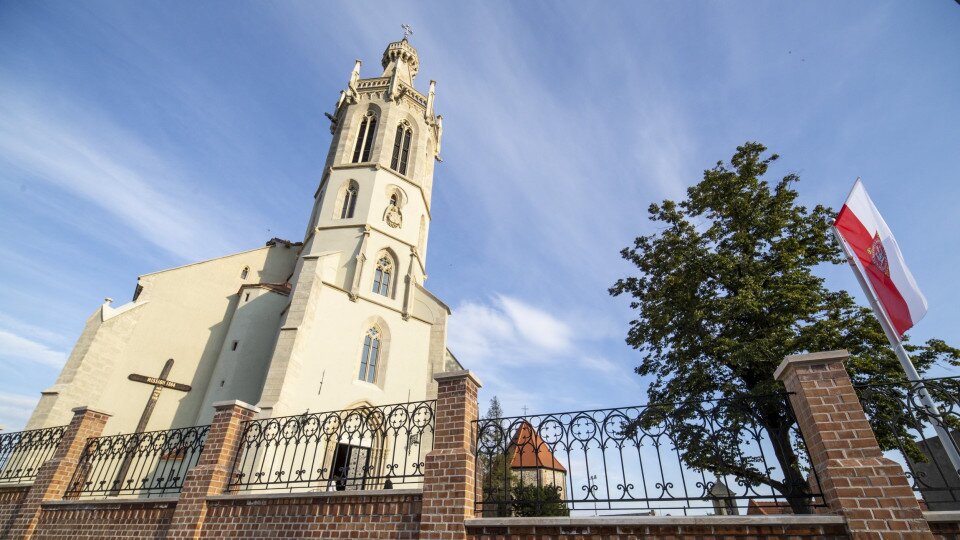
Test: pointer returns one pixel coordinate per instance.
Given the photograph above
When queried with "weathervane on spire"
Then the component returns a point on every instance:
(407, 30)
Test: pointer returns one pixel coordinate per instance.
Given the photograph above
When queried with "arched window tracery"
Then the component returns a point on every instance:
(364, 145)
(382, 277)
(349, 201)
(370, 356)
(401, 147)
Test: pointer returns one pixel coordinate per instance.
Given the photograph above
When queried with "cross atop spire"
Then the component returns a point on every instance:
(407, 30)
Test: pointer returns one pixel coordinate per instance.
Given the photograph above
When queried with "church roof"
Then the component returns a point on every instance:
(530, 452)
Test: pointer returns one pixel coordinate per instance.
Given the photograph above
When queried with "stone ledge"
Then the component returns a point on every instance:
(317, 494)
(943, 516)
(87, 408)
(235, 402)
(796, 360)
(654, 520)
(96, 503)
(463, 373)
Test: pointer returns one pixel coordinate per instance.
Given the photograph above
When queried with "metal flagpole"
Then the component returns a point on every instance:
(946, 441)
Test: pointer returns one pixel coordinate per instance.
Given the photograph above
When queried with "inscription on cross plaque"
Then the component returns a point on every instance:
(159, 383)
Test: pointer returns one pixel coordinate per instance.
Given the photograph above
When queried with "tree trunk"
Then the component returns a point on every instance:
(798, 493)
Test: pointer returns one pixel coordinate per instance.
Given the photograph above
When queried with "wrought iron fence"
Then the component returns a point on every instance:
(709, 457)
(905, 425)
(364, 448)
(23, 452)
(141, 464)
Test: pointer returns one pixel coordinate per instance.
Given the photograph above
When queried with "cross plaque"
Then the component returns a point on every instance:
(159, 383)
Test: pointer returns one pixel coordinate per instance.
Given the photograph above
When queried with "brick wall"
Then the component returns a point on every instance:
(105, 519)
(944, 525)
(674, 528)
(858, 482)
(11, 498)
(382, 514)
(866, 496)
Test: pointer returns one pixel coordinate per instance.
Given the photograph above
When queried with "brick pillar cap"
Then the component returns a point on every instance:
(796, 360)
(219, 405)
(459, 374)
(86, 408)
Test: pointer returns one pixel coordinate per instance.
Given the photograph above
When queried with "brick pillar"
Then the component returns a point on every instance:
(54, 476)
(212, 472)
(448, 483)
(869, 490)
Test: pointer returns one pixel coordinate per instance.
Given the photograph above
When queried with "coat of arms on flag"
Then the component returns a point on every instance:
(862, 228)
(878, 256)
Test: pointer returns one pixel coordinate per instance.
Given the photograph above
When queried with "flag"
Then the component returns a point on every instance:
(862, 227)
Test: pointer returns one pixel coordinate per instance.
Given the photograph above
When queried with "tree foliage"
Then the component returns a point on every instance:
(495, 473)
(532, 500)
(725, 289)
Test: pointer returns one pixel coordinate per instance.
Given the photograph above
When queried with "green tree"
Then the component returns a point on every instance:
(726, 288)
(533, 500)
(495, 474)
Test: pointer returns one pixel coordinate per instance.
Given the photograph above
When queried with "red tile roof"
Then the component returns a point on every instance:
(767, 508)
(530, 452)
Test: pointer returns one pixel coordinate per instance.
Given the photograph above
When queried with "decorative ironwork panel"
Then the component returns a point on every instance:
(904, 424)
(364, 448)
(23, 452)
(723, 457)
(142, 464)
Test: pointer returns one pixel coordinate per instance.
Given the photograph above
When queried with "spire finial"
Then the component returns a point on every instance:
(407, 30)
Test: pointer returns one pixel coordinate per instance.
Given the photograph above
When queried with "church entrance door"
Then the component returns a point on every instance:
(350, 466)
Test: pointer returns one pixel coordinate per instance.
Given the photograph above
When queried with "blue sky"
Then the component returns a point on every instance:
(136, 136)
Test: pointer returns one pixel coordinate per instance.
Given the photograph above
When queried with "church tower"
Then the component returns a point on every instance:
(360, 327)
(338, 321)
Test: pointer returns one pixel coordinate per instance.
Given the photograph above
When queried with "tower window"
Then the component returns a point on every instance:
(364, 144)
(235, 345)
(244, 272)
(381, 279)
(370, 355)
(349, 201)
(401, 148)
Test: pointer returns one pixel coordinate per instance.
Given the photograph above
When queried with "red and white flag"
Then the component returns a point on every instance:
(863, 229)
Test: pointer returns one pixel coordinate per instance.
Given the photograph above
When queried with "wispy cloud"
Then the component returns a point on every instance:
(97, 161)
(507, 331)
(15, 410)
(21, 348)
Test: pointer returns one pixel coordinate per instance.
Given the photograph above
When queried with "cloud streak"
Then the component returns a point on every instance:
(95, 160)
(21, 348)
(15, 410)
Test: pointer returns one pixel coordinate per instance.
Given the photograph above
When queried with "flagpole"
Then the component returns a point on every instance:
(949, 446)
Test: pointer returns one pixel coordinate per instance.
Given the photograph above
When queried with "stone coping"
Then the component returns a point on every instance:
(809, 358)
(654, 520)
(462, 373)
(235, 402)
(942, 516)
(316, 494)
(79, 503)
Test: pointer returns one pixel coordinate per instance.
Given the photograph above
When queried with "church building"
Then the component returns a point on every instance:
(337, 321)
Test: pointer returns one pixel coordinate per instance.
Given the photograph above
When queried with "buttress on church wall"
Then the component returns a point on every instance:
(182, 313)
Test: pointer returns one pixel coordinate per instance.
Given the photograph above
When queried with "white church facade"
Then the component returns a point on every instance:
(337, 321)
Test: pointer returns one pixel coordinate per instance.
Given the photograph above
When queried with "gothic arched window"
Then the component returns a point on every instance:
(381, 279)
(370, 356)
(364, 145)
(349, 201)
(401, 148)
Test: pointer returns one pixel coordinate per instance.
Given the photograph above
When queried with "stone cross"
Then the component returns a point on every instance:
(159, 383)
